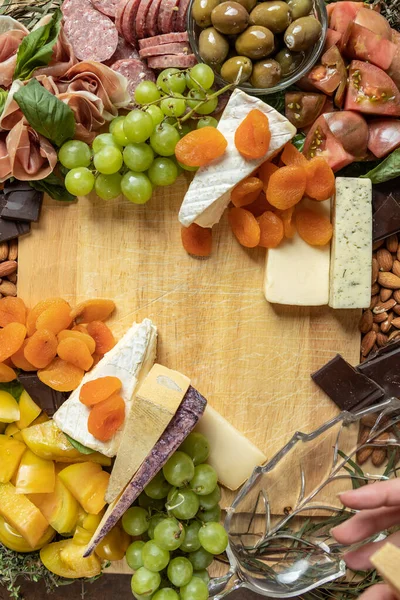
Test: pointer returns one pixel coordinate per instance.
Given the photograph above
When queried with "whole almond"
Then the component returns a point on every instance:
(363, 455)
(7, 267)
(368, 342)
(3, 251)
(381, 339)
(396, 268)
(396, 322)
(363, 433)
(369, 420)
(8, 289)
(380, 318)
(377, 245)
(375, 271)
(396, 309)
(375, 288)
(376, 328)
(389, 280)
(385, 260)
(392, 243)
(387, 325)
(382, 306)
(366, 321)
(378, 456)
(13, 277)
(398, 253)
(385, 294)
(374, 301)
(13, 250)
(396, 295)
(394, 334)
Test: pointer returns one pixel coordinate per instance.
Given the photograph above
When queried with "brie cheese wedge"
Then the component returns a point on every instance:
(130, 360)
(209, 193)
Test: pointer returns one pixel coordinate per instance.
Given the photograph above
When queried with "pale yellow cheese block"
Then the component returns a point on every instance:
(387, 560)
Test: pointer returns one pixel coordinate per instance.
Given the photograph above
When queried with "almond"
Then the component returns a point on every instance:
(13, 277)
(377, 245)
(396, 268)
(363, 434)
(8, 289)
(396, 309)
(13, 250)
(398, 253)
(378, 456)
(369, 420)
(383, 306)
(381, 339)
(368, 342)
(385, 260)
(396, 295)
(375, 327)
(380, 318)
(389, 280)
(394, 334)
(385, 294)
(7, 267)
(4, 251)
(392, 243)
(375, 289)
(366, 321)
(374, 301)
(375, 271)
(387, 325)
(396, 322)
(363, 455)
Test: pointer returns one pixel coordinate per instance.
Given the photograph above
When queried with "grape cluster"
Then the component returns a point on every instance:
(137, 154)
(177, 520)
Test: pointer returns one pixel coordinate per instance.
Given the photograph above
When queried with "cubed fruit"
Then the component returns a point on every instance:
(42, 418)
(114, 545)
(66, 560)
(35, 475)
(88, 483)
(82, 536)
(14, 540)
(91, 522)
(13, 431)
(22, 514)
(60, 507)
(29, 410)
(11, 451)
(9, 409)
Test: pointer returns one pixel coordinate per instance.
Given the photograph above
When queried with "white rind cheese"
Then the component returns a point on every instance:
(350, 277)
(209, 193)
(130, 360)
(297, 273)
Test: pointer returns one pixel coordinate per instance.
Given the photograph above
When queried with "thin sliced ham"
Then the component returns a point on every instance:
(31, 155)
(62, 60)
(9, 43)
(5, 164)
(12, 113)
(88, 111)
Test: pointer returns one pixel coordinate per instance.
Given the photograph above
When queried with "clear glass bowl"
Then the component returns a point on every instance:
(310, 58)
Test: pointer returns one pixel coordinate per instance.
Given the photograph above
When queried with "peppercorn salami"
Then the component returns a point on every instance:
(124, 50)
(92, 35)
(129, 22)
(152, 18)
(176, 48)
(168, 38)
(143, 9)
(180, 20)
(167, 15)
(180, 61)
(107, 7)
(135, 71)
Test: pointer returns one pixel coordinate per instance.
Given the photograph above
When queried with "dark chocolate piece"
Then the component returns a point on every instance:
(48, 399)
(16, 185)
(386, 206)
(11, 229)
(23, 203)
(349, 389)
(384, 369)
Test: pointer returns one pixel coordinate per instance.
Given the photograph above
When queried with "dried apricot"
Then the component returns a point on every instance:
(246, 192)
(271, 228)
(291, 156)
(11, 339)
(253, 137)
(99, 389)
(93, 310)
(320, 179)
(200, 147)
(41, 348)
(197, 240)
(286, 187)
(96, 358)
(55, 318)
(18, 359)
(245, 227)
(84, 337)
(259, 206)
(289, 226)
(313, 228)
(102, 335)
(37, 311)
(81, 328)
(61, 376)
(106, 418)
(7, 374)
(12, 310)
(76, 352)
(265, 172)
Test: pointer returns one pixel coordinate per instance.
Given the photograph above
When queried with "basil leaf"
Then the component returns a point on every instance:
(388, 169)
(46, 113)
(80, 447)
(358, 169)
(298, 141)
(14, 388)
(54, 187)
(36, 49)
(3, 98)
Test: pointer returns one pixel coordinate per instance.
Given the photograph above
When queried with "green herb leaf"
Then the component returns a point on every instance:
(3, 98)
(387, 169)
(14, 388)
(54, 187)
(36, 49)
(298, 141)
(357, 169)
(80, 447)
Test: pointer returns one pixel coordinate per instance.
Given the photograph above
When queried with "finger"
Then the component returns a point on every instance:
(359, 560)
(373, 495)
(381, 591)
(366, 523)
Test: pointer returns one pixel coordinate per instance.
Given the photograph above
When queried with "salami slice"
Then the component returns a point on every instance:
(107, 7)
(141, 18)
(68, 7)
(168, 38)
(176, 48)
(128, 22)
(135, 71)
(180, 21)
(119, 13)
(167, 14)
(124, 50)
(92, 35)
(152, 18)
(180, 61)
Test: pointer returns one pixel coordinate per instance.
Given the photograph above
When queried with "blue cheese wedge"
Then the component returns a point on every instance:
(130, 360)
(350, 275)
(209, 193)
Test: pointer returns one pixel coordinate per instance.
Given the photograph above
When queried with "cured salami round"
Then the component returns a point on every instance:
(143, 9)
(168, 38)
(68, 7)
(180, 20)
(152, 18)
(107, 7)
(167, 15)
(129, 21)
(92, 35)
(124, 50)
(176, 48)
(119, 13)
(135, 71)
(180, 61)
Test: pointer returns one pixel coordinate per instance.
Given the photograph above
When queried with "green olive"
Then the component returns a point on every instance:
(300, 8)
(202, 10)
(213, 47)
(230, 18)
(237, 69)
(302, 34)
(289, 61)
(266, 73)
(256, 42)
(248, 4)
(275, 15)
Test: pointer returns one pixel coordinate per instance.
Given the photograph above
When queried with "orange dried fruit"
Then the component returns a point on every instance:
(286, 187)
(7, 374)
(55, 318)
(259, 206)
(76, 352)
(96, 309)
(12, 310)
(102, 335)
(289, 226)
(320, 179)
(84, 337)
(61, 376)
(271, 229)
(96, 358)
(106, 418)
(197, 240)
(37, 311)
(245, 227)
(99, 389)
(18, 359)
(265, 172)
(11, 339)
(292, 156)
(313, 228)
(41, 348)
(253, 137)
(246, 192)
(200, 147)
(81, 328)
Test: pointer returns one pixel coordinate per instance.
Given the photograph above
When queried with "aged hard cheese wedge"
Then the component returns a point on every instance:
(154, 405)
(209, 193)
(130, 360)
(351, 258)
(232, 455)
(297, 273)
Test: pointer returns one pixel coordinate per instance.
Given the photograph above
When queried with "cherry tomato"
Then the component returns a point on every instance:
(114, 545)
(371, 91)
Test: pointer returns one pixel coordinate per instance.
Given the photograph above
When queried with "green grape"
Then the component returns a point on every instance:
(147, 92)
(115, 124)
(164, 139)
(154, 557)
(196, 96)
(173, 107)
(213, 538)
(150, 503)
(207, 122)
(203, 75)
(210, 500)
(180, 571)
(138, 157)
(204, 480)
(172, 80)
(118, 133)
(108, 186)
(163, 172)
(191, 543)
(104, 139)
(108, 160)
(179, 469)
(135, 521)
(169, 534)
(75, 154)
(79, 182)
(197, 446)
(212, 514)
(187, 168)
(200, 559)
(196, 589)
(182, 503)
(158, 487)
(166, 594)
(145, 582)
(156, 114)
(154, 521)
(134, 555)
(138, 126)
(203, 575)
(136, 187)
(142, 596)
(184, 129)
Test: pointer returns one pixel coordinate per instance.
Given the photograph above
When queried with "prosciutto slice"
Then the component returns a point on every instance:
(31, 156)
(12, 113)
(62, 60)
(5, 164)
(88, 111)
(9, 42)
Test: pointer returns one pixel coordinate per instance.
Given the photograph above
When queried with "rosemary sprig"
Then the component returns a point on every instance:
(28, 13)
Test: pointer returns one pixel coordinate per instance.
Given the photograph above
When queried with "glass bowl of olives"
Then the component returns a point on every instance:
(262, 46)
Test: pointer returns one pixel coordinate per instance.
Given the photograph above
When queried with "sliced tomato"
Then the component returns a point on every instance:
(363, 44)
(351, 129)
(371, 91)
(343, 13)
(372, 20)
(384, 136)
(302, 109)
(320, 141)
(394, 69)
(329, 75)
(332, 38)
